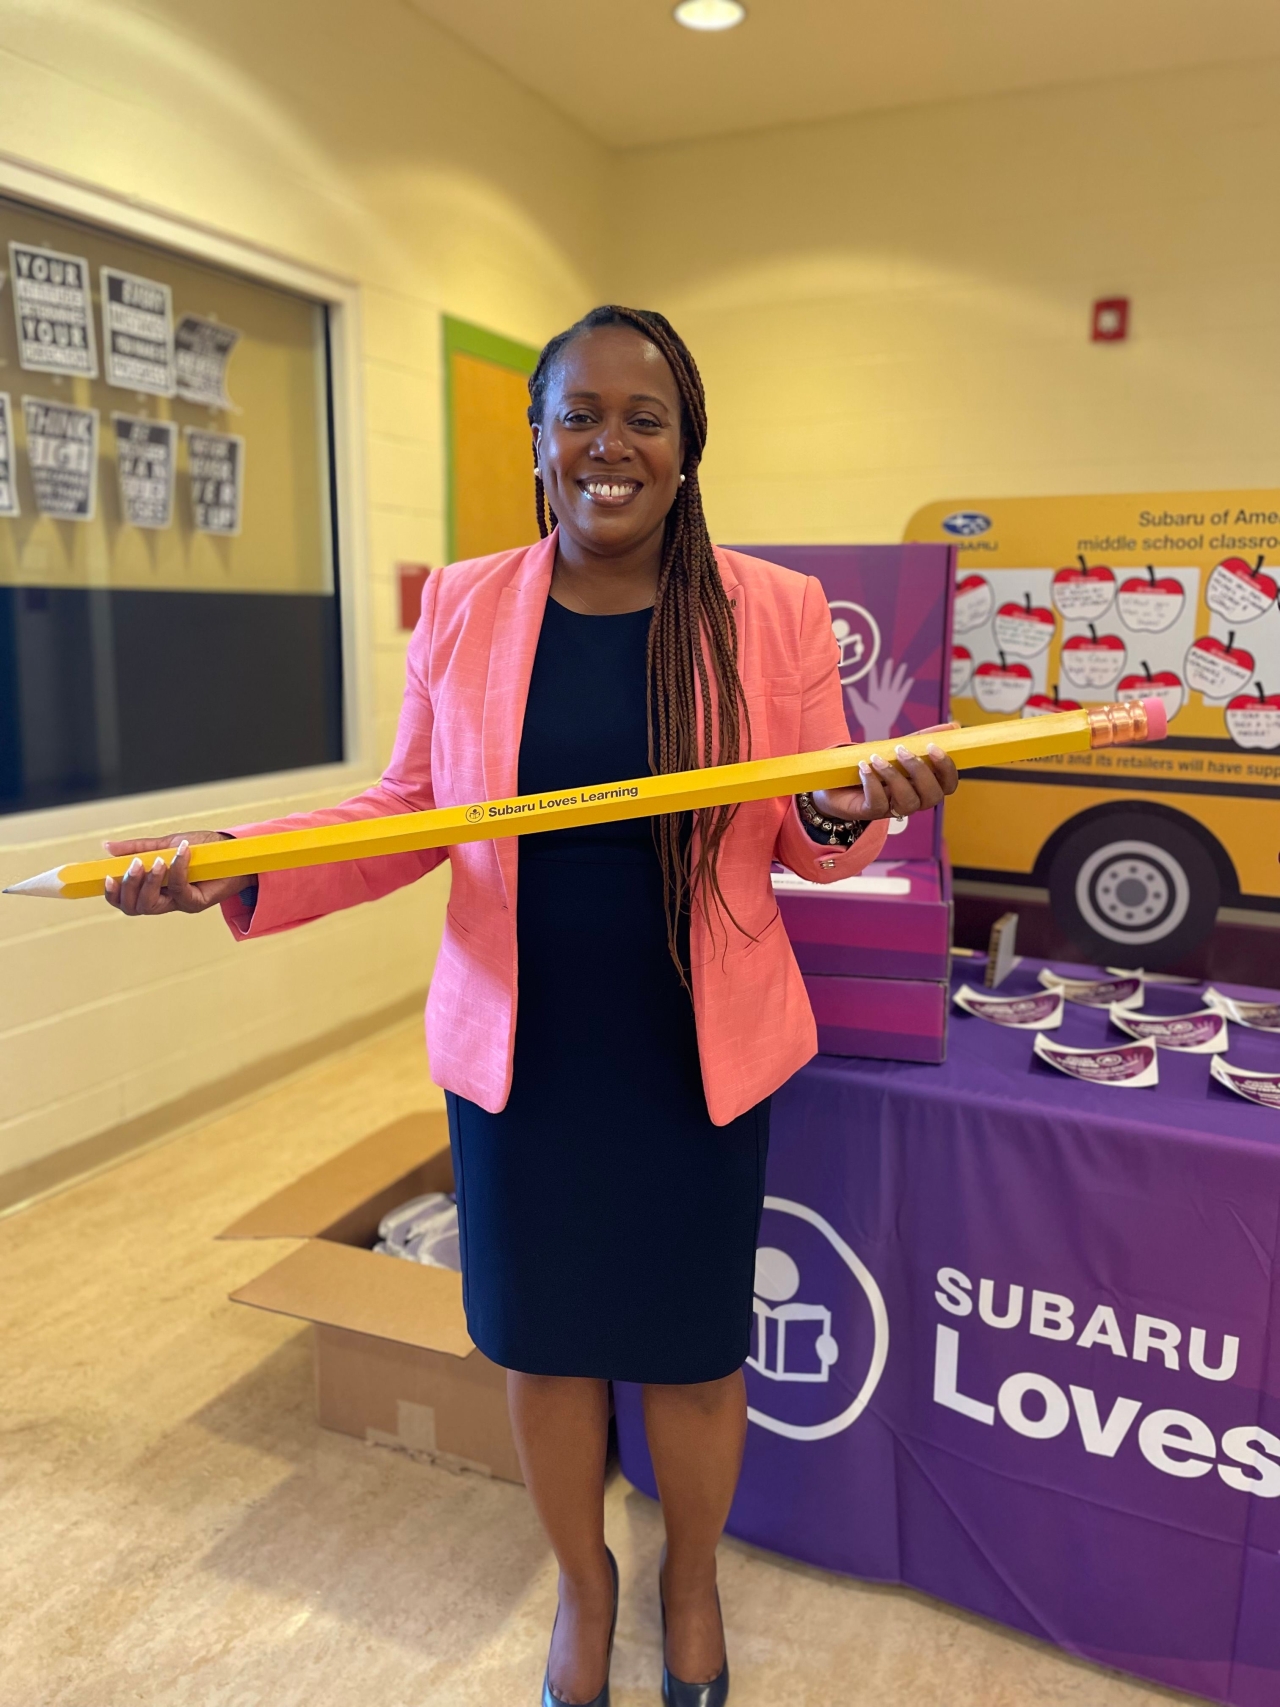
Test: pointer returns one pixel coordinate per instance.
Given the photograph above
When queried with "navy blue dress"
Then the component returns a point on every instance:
(608, 1229)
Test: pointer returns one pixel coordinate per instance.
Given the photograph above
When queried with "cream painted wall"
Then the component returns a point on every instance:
(887, 310)
(366, 142)
(894, 308)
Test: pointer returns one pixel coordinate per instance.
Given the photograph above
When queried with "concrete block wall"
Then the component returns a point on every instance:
(348, 139)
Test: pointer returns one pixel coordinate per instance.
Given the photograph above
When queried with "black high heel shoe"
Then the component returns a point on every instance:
(549, 1696)
(677, 1693)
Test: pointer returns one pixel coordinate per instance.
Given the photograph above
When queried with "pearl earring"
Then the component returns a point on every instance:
(682, 479)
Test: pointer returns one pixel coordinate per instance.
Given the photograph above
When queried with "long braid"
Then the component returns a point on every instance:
(692, 624)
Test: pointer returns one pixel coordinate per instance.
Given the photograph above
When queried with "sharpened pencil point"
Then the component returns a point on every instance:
(48, 883)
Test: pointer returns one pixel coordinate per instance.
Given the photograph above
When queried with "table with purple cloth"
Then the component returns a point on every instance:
(1014, 1345)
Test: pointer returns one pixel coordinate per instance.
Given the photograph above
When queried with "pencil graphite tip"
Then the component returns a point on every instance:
(47, 883)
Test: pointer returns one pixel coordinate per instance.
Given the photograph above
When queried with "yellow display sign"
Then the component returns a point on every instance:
(1074, 600)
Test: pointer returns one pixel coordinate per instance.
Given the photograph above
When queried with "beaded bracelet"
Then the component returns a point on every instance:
(840, 832)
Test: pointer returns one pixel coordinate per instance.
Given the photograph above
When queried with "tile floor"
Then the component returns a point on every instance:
(177, 1532)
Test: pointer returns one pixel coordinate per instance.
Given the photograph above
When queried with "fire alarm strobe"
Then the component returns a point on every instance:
(1110, 320)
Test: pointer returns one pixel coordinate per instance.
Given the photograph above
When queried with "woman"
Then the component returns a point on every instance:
(609, 1144)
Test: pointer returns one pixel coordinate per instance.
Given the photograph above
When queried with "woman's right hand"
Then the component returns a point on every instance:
(145, 891)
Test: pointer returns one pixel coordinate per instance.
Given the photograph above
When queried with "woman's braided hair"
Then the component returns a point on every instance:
(692, 626)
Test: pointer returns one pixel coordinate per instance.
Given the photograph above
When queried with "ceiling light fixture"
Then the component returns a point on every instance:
(709, 14)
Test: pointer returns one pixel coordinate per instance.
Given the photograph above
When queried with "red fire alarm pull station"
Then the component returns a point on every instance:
(413, 578)
(1110, 320)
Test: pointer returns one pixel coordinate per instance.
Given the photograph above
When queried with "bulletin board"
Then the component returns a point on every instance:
(168, 568)
(490, 472)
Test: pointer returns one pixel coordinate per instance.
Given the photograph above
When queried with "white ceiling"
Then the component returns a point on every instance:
(627, 73)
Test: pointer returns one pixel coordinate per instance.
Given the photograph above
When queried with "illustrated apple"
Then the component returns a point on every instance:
(1152, 605)
(1083, 594)
(1093, 660)
(1003, 686)
(1217, 668)
(1239, 592)
(1163, 685)
(974, 600)
(1024, 629)
(1040, 704)
(1255, 721)
(961, 670)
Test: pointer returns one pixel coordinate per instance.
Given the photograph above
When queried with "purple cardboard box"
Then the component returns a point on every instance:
(891, 612)
(889, 1019)
(892, 921)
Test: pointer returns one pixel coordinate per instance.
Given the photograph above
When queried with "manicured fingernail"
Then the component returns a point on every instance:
(904, 752)
(182, 848)
(157, 865)
(879, 763)
(135, 866)
(935, 751)
(864, 769)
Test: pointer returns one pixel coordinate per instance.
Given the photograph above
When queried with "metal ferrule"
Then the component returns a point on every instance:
(1117, 725)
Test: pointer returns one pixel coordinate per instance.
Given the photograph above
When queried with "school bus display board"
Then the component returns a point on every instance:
(1075, 600)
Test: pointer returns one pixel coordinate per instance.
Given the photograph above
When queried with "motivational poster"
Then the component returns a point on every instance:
(8, 472)
(202, 349)
(62, 451)
(217, 480)
(146, 461)
(137, 332)
(53, 306)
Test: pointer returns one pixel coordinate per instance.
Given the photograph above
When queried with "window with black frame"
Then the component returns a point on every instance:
(168, 566)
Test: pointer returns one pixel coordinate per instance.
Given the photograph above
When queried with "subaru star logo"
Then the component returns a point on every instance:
(820, 1336)
(966, 523)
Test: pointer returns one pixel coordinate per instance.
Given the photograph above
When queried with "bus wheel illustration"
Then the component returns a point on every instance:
(1134, 887)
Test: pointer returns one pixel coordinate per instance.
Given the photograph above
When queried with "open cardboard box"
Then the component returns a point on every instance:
(394, 1361)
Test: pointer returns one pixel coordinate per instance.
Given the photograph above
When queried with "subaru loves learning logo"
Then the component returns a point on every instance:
(820, 1336)
(966, 523)
(857, 635)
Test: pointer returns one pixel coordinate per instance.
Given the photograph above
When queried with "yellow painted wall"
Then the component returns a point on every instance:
(894, 308)
(362, 140)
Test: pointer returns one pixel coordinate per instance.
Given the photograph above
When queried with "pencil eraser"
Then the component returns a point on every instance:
(1157, 719)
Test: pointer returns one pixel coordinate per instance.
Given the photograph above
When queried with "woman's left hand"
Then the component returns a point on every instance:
(891, 790)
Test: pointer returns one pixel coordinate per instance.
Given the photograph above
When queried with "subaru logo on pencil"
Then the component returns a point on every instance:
(966, 523)
(820, 1334)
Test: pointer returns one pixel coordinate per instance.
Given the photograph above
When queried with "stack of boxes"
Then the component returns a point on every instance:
(875, 949)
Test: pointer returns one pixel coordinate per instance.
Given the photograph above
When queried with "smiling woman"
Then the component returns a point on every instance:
(642, 501)
(613, 1005)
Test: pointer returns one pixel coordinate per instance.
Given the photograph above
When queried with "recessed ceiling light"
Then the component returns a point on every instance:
(709, 14)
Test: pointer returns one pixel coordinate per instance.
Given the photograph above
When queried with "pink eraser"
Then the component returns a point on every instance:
(1157, 719)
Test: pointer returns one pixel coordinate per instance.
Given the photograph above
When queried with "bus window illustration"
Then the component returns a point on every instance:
(792, 1342)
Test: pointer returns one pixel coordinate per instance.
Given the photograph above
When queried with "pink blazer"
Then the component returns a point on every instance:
(468, 670)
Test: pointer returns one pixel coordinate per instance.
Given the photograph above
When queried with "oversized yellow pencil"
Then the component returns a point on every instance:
(643, 797)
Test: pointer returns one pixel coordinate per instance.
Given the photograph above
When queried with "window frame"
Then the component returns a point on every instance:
(340, 297)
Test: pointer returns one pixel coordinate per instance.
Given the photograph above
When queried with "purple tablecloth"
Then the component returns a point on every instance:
(1095, 1460)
